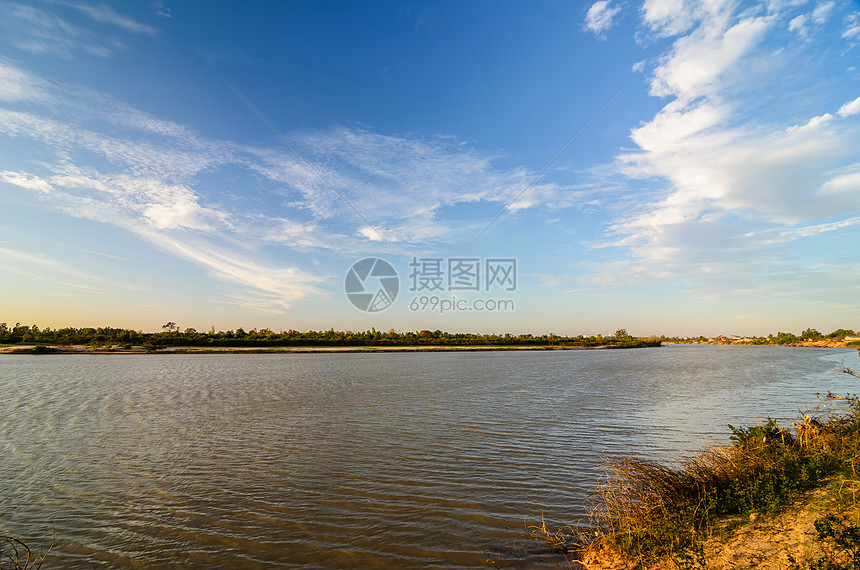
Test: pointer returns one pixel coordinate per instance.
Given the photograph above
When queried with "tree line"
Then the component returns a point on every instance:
(172, 336)
(782, 338)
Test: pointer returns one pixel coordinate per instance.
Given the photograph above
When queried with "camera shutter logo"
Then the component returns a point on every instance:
(371, 284)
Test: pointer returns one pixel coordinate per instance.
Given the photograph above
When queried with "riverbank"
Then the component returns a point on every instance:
(825, 343)
(785, 539)
(137, 349)
(85, 349)
(778, 498)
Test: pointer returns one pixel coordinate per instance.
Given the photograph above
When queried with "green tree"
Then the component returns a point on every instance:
(810, 334)
(786, 338)
(621, 334)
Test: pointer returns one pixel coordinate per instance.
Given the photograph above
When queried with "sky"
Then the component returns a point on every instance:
(675, 167)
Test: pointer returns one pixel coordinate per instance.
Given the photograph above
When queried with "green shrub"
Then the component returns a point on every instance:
(843, 539)
(648, 511)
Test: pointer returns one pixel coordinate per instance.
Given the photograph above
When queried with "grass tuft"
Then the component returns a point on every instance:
(15, 555)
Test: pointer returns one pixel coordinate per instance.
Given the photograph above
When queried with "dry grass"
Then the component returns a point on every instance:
(648, 511)
(15, 555)
(561, 540)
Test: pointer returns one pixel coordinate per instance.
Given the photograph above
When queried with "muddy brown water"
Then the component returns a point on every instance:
(357, 460)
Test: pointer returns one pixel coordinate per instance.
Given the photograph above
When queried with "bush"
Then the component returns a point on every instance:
(648, 511)
(843, 538)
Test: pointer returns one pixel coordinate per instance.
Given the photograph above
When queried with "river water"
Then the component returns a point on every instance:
(404, 460)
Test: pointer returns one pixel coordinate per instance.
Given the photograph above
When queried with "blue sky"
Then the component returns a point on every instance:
(719, 193)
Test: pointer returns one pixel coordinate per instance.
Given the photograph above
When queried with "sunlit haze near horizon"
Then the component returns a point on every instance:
(669, 166)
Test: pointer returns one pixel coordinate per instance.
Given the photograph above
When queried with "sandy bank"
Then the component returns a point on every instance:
(778, 541)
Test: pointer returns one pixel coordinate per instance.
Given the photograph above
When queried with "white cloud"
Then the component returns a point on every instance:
(729, 176)
(668, 17)
(850, 108)
(25, 181)
(813, 123)
(773, 175)
(852, 27)
(276, 286)
(376, 234)
(847, 184)
(698, 61)
(675, 125)
(822, 11)
(133, 200)
(598, 19)
(798, 25)
(803, 23)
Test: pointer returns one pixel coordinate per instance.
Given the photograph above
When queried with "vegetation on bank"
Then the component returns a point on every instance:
(780, 338)
(172, 336)
(645, 512)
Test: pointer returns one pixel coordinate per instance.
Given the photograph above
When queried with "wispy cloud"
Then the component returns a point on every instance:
(37, 265)
(818, 229)
(107, 15)
(25, 181)
(822, 11)
(161, 10)
(811, 22)
(155, 178)
(852, 28)
(18, 86)
(41, 32)
(46, 30)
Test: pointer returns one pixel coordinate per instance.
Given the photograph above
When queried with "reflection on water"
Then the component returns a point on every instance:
(333, 461)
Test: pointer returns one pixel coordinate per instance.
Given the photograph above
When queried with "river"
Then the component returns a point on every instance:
(397, 460)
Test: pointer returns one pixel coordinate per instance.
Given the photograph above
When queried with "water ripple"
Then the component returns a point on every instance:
(409, 460)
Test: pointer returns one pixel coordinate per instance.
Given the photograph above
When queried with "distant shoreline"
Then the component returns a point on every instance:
(83, 349)
(86, 349)
(802, 343)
